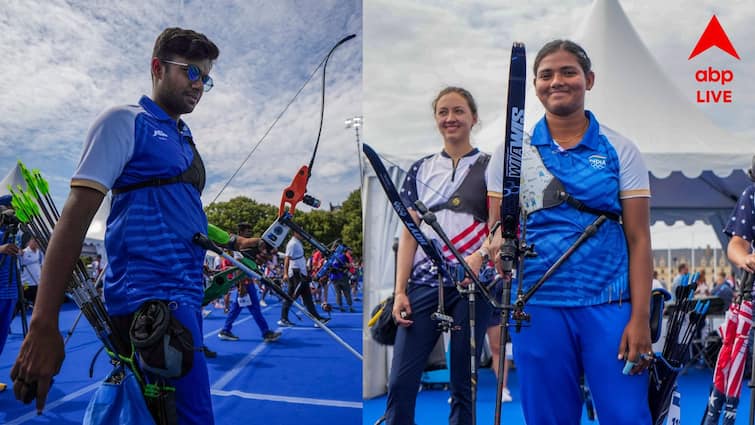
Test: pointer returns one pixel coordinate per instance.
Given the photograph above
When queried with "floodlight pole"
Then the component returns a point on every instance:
(356, 122)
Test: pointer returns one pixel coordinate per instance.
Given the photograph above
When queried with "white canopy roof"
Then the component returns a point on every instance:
(633, 96)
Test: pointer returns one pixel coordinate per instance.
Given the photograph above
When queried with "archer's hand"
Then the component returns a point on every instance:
(262, 251)
(636, 345)
(10, 249)
(402, 310)
(748, 263)
(39, 359)
(475, 262)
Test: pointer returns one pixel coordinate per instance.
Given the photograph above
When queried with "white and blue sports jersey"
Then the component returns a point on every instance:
(295, 254)
(149, 230)
(742, 220)
(434, 179)
(600, 171)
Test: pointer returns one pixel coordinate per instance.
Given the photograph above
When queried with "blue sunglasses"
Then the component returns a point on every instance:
(194, 73)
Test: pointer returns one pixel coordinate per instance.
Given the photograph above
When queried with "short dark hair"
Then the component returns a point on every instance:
(681, 267)
(460, 91)
(185, 43)
(566, 45)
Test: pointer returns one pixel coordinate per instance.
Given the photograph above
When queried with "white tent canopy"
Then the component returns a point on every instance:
(696, 167)
(633, 96)
(13, 179)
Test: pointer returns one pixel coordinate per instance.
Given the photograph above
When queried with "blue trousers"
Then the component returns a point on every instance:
(6, 315)
(253, 308)
(414, 345)
(558, 347)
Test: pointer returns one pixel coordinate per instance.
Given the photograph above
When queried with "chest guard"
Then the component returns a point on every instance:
(544, 190)
(194, 175)
(471, 195)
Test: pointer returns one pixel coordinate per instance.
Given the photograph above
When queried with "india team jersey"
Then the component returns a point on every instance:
(603, 169)
(433, 180)
(149, 230)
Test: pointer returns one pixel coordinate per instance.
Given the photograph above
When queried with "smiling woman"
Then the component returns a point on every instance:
(604, 183)
(451, 183)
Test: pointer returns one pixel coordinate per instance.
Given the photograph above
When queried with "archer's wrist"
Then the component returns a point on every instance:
(640, 314)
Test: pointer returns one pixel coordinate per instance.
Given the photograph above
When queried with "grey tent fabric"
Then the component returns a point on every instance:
(381, 227)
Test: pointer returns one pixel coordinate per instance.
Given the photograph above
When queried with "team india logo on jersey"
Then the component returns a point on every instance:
(598, 162)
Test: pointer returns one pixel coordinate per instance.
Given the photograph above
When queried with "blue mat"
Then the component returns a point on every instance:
(433, 408)
(305, 377)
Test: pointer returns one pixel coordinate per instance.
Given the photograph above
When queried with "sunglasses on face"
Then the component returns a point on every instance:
(194, 73)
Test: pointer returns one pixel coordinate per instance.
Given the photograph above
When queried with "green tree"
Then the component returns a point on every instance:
(344, 224)
(351, 211)
(325, 226)
(227, 215)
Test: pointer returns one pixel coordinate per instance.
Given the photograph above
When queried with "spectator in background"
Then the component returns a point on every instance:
(295, 273)
(339, 275)
(96, 267)
(245, 296)
(723, 289)
(657, 283)
(703, 288)
(683, 270)
(321, 291)
(31, 267)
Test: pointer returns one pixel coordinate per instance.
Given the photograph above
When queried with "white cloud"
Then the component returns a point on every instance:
(66, 61)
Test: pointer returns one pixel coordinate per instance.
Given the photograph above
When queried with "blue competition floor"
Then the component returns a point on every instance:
(433, 408)
(304, 378)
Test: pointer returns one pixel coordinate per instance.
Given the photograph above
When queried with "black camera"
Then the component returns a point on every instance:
(8, 218)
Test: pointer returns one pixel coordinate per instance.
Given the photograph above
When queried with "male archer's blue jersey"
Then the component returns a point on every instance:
(600, 171)
(149, 230)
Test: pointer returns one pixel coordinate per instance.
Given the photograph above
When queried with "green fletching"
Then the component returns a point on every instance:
(27, 175)
(21, 215)
(34, 206)
(17, 204)
(42, 185)
(217, 235)
(31, 206)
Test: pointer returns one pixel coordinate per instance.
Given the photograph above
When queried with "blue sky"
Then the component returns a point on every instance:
(66, 61)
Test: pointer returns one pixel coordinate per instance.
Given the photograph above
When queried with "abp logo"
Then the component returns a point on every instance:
(714, 35)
